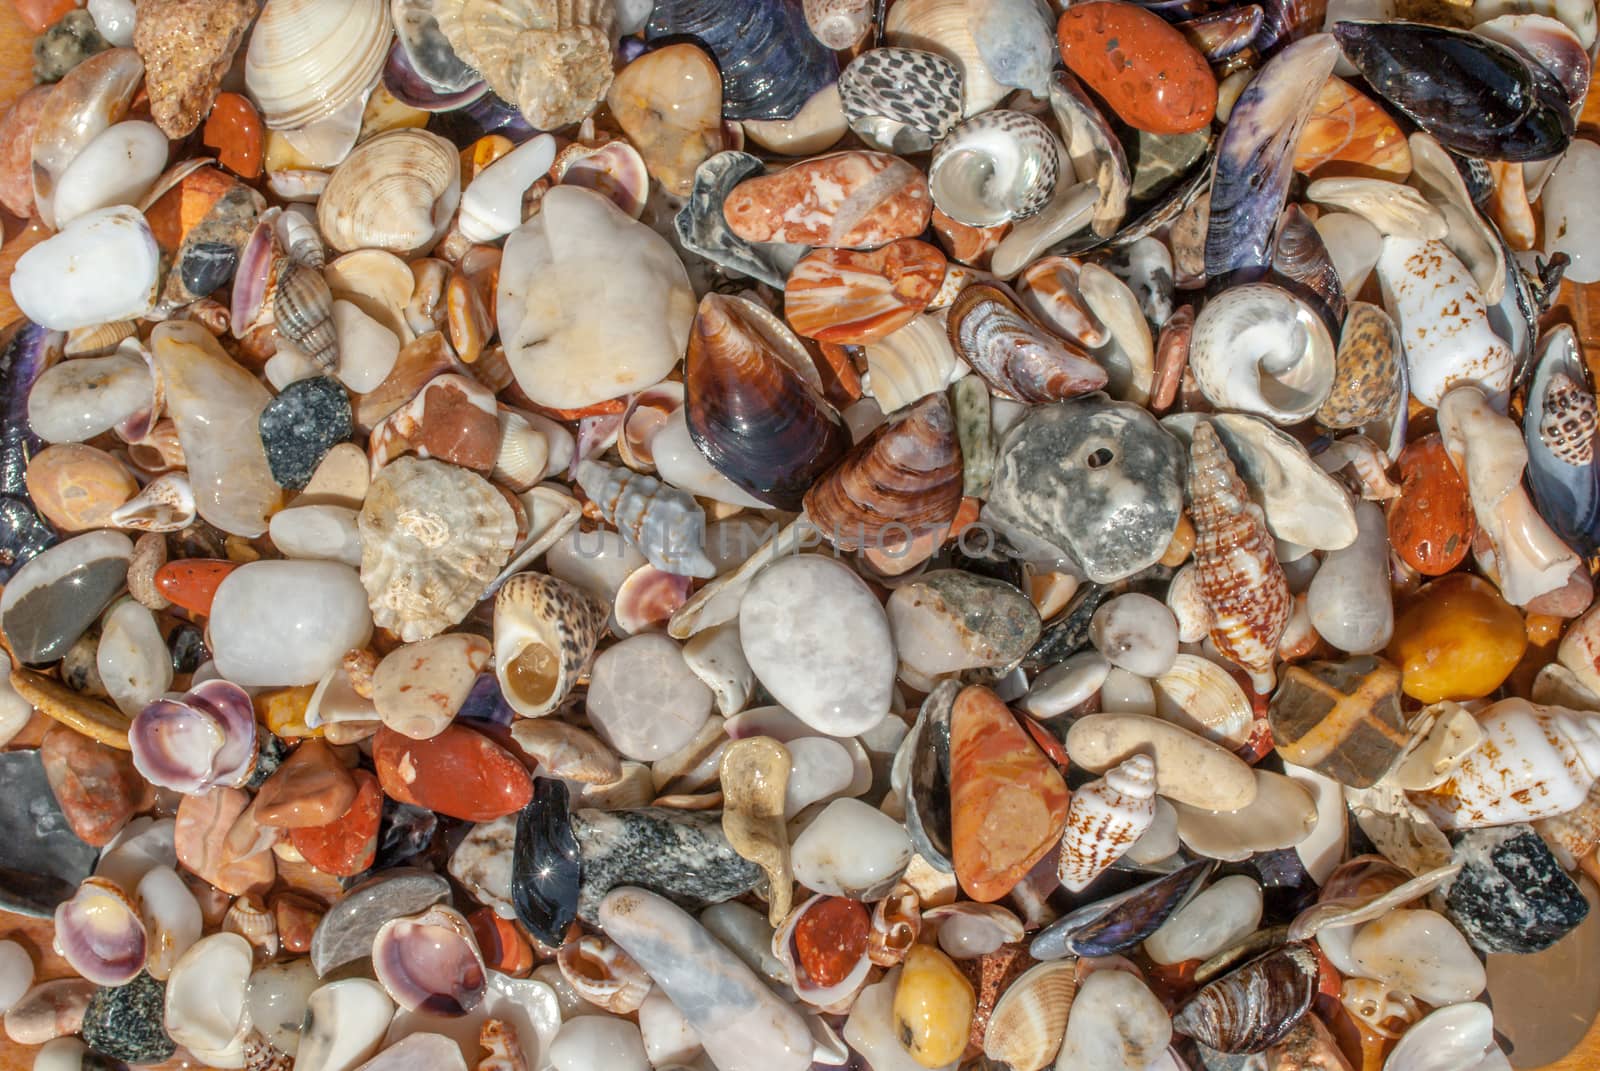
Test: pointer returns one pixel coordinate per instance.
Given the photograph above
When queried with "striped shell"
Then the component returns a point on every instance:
(909, 364)
(666, 524)
(1030, 1019)
(852, 298)
(1255, 1006)
(545, 630)
(302, 309)
(1014, 356)
(1568, 424)
(1238, 571)
(1105, 818)
(397, 191)
(902, 480)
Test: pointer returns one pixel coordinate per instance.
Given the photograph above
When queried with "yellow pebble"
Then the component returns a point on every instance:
(1544, 629)
(284, 711)
(1457, 640)
(1177, 551)
(85, 714)
(933, 1006)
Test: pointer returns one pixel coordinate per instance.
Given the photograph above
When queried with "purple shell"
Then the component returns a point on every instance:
(409, 87)
(205, 740)
(254, 274)
(487, 114)
(430, 963)
(100, 935)
(26, 350)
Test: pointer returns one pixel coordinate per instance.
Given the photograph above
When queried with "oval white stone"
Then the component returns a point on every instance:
(117, 168)
(102, 267)
(852, 850)
(276, 623)
(644, 700)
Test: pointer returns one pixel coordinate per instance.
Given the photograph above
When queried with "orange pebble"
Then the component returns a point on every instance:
(39, 15)
(192, 582)
(234, 130)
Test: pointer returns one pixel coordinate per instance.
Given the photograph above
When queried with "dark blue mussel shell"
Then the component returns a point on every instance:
(1478, 97)
(771, 63)
(546, 866)
(1114, 925)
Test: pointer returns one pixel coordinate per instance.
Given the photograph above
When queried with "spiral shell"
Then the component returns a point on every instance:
(551, 58)
(545, 630)
(1014, 356)
(666, 524)
(302, 310)
(1568, 423)
(252, 920)
(603, 974)
(1235, 561)
(1105, 818)
(396, 191)
(994, 168)
(1259, 349)
(1030, 1018)
(896, 925)
(839, 24)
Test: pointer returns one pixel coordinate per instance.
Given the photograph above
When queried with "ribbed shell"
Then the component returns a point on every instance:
(1238, 570)
(1106, 816)
(1253, 1007)
(756, 420)
(1014, 356)
(396, 191)
(308, 58)
(1030, 1019)
(906, 472)
(302, 310)
(1568, 424)
(551, 58)
(666, 524)
(563, 622)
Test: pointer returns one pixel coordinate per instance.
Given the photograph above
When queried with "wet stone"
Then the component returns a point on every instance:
(680, 854)
(545, 864)
(124, 1022)
(65, 45)
(1511, 894)
(1341, 719)
(346, 932)
(301, 425)
(208, 266)
(43, 860)
(96, 787)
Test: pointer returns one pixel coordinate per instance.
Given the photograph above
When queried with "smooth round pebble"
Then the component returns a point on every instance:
(16, 974)
(644, 700)
(589, 1042)
(1123, 692)
(851, 850)
(287, 622)
(1066, 684)
(1224, 913)
(1136, 633)
(318, 533)
(299, 426)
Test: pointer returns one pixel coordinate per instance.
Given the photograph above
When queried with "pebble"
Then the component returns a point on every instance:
(933, 1006)
(849, 200)
(52, 600)
(346, 932)
(947, 620)
(124, 1022)
(1136, 633)
(1418, 952)
(1456, 639)
(590, 1041)
(311, 788)
(1511, 894)
(277, 623)
(461, 773)
(96, 787)
(482, 863)
(40, 840)
(1218, 918)
(300, 425)
(850, 849)
(1431, 522)
(682, 855)
(49, 1010)
(16, 974)
(644, 700)
(1342, 719)
(1116, 1024)
(419, 688)
(77, 487)
(1189, 768)
(67, 281)
(1140, 64)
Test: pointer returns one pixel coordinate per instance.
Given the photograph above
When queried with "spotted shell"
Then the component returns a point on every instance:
(903, 100)
(1568, 424)
(1366, 375)
(545, 630)
(1104, 819)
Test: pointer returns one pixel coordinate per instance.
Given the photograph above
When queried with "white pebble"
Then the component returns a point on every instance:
(114, 19)
(644, 700)
(16, 974)
(1136, 633)
(852, 850)
(1066, 684)
(1218, 918)
(595, 1041)
(1126, 693)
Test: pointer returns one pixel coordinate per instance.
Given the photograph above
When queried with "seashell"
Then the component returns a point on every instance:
(1048, 290)
(946, 27)
(432, 538)
(1558, 426)
(839, 24)
(430, 963)
(905, 475)
(851, 298)
(1457, 1036)
(1378, 1006)
(426, 48)
(1201, 696)
(994, 168)
(1238, 571)
(93, 95)
(165, 505)
(1515, 110)
(1107, 927)
(770, 62)
(969, 930)
(1253, 1007)
(251, 919)
(205, 739)
(98, 340)
(1259, 349)
(1367, 369)
(896, 924)
(566, 751)
(99, 933)
(302, 307)
(379, 284)
(822, 946)
(614, 169)
(491, 205)
(703, 228)
(1388, 206)
(901, 100)
(551, 58)
(1104, 819)
(666, 524)
(647, 599)
(1545, 42)
(603, 974)
(171, 916)
(753, 416)
(306, 60)
(545, 631)
(396, 191)
(647, 414)
(1029, 1020)
(910, 363)
(1302, 264)
(1097, 156)
(1129, 356)
(1255, 156)
(206, 1008)
(1013, 355)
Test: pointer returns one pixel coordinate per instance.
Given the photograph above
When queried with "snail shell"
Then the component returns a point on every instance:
(666, 524)
(1259, 349)
(302, 309)
(545, 631)
(1106, 816)
(994, 168)
(603, 974)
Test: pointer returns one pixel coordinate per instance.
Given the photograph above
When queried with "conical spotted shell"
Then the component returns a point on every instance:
(1568, 423)
(302, 309)
(1104, 819)
(545, 630)
(902, 480)
(1240, 578)
(754, 417)
(852, 298)
(1366, 375)
(1015, 356)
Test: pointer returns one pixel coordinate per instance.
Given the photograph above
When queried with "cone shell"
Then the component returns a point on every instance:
(1030, 1019)
(852, 298)
(396, 191)
(302, 311)
(1366, 375)
(545, 631)
(1014, 355)
(1236, 563)
(903, 479)
(1254, 1007)
(308, 58)
(1104, 820)
(1568, 423)
(756, 419)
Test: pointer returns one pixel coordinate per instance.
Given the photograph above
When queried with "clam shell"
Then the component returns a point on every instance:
(1460, 1036)
(433, 536)
(1014, 356)
(205, 739)
(308, 59)
(1030, 1018)
(545, 631)
(944, 27)
(901, 100)
(99, 933)
(994, 168)
(1255, 1006)
(396, 191)
(430, 962)
(910, 363)
(255, 922)
(551, 58)
(1201, 696)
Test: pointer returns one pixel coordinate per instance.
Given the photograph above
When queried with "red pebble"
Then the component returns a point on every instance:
(297, 917)
(96, 786)
(831, 938)
(1144, 68)
(347, 845)
(192, 582)
(504, 948)
(39, 15)
(234, 129)
(459, 773)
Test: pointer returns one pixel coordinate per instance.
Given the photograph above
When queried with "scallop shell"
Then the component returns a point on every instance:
(910, 363)
(665, 524)
(603, 974)
(432, 538)
(430, 963)
(302, 312)
(1259, 349)
(396, 191)
(566, 751)
(99, 933)
(1030, 1019)
(839, 24)
(901, 100)
(901, 481)
(1236, 565)
(1104, 819)
(1255, 1006)
(308, 58)
(944, 27)
(551, 58)
(545, 631)
(896, 925)
(1018, 359)
(994, 168)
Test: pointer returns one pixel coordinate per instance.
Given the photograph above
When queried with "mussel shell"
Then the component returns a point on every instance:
(1476, 96)
(1255, 1006)
(771, 63)
(545, 866)
(410, 87)
(1220, 34)
(1107, 927)
(486, 114)
(1561, 442)
(1284, 21)
(922, 768)
(1018, 359)
(427, 51)
(23, 534)
(1301, 264)
(26, 351)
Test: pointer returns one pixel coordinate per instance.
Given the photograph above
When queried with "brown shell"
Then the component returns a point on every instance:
(755, 418)
(1255, 1006)
(1431, 524)
(1366, 375)
(906, 475)
(1301, 262)
(1568, 423)
(1237, 563)
(896, 925)
(1015, 356)
(1172, 358)
(302, 309)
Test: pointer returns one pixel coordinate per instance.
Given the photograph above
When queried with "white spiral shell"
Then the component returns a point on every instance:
(1104, 819)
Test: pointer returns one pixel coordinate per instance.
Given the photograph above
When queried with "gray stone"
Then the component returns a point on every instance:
(346, 932)
(124, 1022)
(680, 854)
(1511, 894)
(307, 419)
(44, 860)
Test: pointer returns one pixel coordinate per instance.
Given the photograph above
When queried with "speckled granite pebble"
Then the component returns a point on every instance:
(124, 1022)
(680, 854)
(301, 425)
(1511, 895)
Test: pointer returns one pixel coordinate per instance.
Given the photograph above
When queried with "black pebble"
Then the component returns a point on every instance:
(207, 267)
(188, 646)
(301, 425)
(124, 1022)
(1511, 895)
(545, 865)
